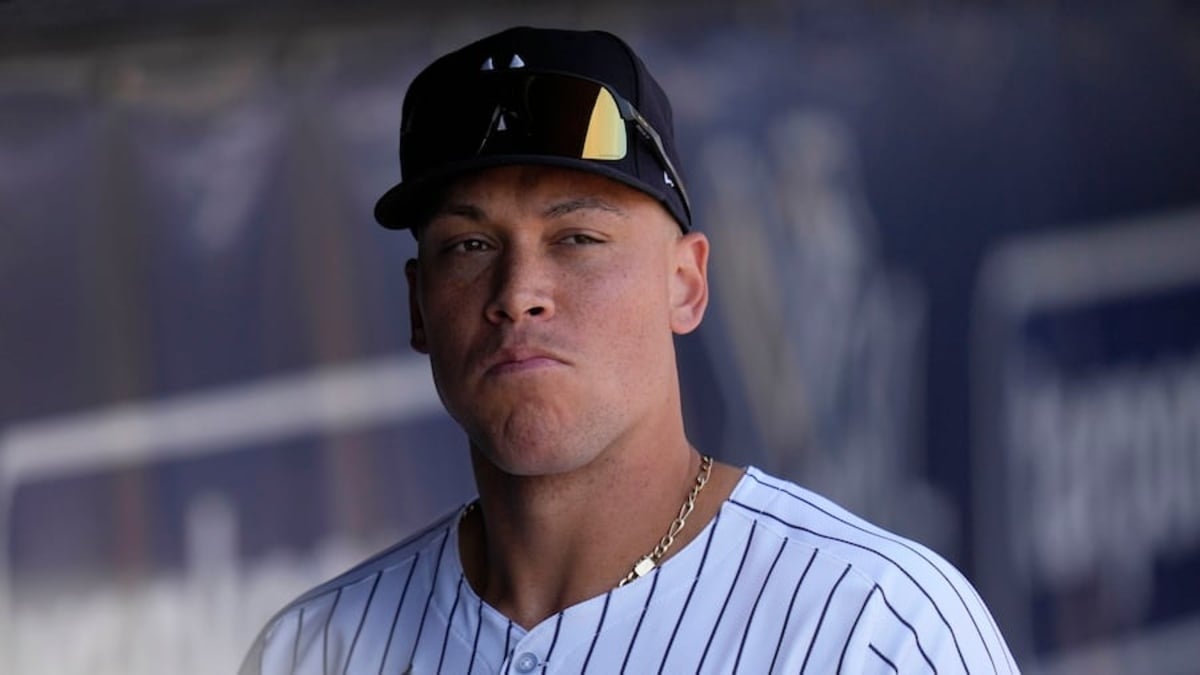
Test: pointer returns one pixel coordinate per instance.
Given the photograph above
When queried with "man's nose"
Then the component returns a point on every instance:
(522, 288)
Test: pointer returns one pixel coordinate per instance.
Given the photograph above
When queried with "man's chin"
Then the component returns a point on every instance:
(530, 454)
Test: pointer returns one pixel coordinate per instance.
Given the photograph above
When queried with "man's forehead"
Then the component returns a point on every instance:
(542, 191)
(534, 190)
(533, 181)
(550, 208)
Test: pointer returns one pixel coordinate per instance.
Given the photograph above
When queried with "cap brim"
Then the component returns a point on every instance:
(400, 207)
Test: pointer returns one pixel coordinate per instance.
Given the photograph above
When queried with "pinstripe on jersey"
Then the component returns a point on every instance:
(781, 580)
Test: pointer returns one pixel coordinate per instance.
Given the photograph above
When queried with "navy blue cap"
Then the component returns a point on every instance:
(592, 55)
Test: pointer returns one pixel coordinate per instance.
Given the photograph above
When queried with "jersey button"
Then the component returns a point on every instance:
(526, 662)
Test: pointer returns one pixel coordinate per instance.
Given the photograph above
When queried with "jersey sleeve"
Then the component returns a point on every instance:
(274, 650)
(944, 630)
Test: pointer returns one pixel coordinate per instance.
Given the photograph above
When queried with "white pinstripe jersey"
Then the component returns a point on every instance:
(781, 580)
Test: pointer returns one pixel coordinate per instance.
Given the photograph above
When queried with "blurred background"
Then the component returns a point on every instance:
(956, 287)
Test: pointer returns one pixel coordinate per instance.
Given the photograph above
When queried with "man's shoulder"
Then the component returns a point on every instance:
(396, 559)
(916, 591)
(902, 571)
(809, 519)
(395, 556)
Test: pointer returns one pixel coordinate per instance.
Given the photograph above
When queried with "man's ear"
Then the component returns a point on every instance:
(415, 319)
(689, 282)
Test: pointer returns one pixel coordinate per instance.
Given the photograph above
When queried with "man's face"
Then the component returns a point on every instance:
(547, 299)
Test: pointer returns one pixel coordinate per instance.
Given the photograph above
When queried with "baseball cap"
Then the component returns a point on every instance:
(576, 99)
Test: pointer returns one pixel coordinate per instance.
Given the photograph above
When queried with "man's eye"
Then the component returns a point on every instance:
(580, 239)
(470, 246)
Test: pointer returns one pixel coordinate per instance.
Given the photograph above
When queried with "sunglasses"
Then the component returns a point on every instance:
(525, 113)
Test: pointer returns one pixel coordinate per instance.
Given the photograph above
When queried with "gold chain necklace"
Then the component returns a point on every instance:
(651, 559)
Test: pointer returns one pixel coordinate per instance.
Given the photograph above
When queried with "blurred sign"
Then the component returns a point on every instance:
(1087, 383)
(180, 525)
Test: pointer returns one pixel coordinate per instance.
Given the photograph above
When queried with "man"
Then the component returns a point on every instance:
(556, 261)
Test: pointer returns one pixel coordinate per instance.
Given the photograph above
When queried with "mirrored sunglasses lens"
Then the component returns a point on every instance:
(517, 113)
(572, 117)
(606, 130)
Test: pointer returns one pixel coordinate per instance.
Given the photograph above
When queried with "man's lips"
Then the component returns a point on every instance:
(517, 360)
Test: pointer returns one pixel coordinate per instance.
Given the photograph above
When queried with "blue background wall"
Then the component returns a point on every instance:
(956, 284)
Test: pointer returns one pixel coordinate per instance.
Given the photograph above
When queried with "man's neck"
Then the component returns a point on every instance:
(540, 544)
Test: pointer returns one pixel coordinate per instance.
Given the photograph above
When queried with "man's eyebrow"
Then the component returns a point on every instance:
(581, 203)
(461, 209)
